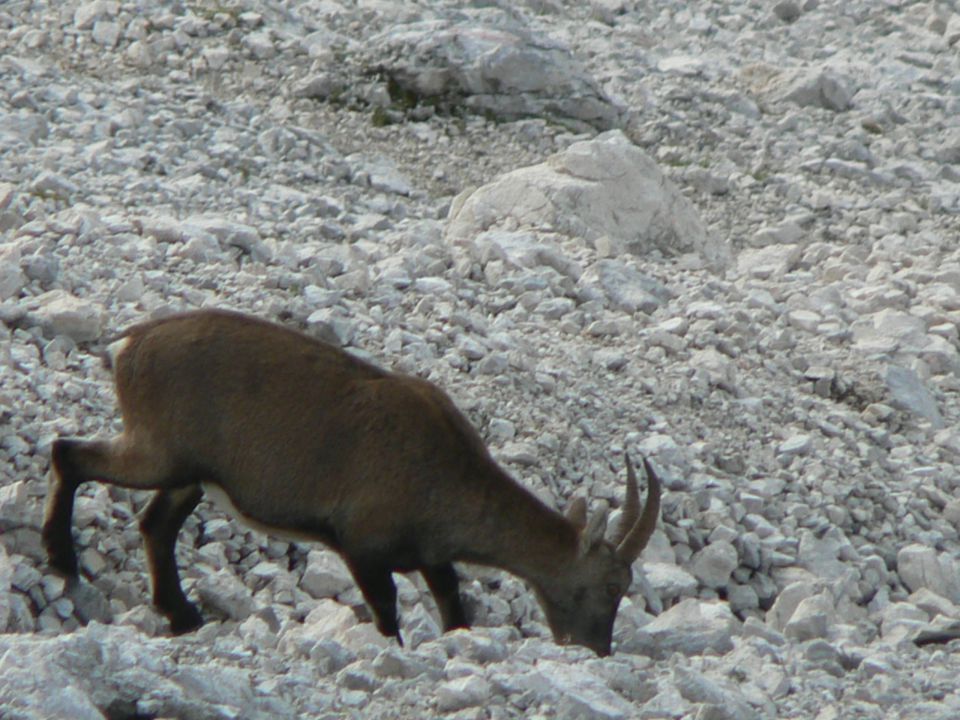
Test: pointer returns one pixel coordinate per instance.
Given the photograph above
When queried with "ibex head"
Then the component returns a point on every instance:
(581, 602)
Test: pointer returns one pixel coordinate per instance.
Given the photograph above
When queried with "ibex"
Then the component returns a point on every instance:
(305, 440)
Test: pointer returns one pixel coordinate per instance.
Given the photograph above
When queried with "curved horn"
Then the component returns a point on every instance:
(638, 535)
(631, 505)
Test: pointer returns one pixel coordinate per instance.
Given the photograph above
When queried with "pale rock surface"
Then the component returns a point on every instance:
(603, 187)
(326, 575)
(713, 565)
(60, 313)
(12, 278)
(777, 330)
(690, 627)
(505, 70)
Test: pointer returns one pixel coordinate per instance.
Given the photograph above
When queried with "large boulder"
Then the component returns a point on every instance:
(601, 190)
(507, 72)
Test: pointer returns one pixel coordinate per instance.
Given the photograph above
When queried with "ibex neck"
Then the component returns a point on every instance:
(516, 532)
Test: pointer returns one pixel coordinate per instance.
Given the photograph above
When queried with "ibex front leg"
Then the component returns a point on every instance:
(160, 526)
(445, 587)
(380, 592)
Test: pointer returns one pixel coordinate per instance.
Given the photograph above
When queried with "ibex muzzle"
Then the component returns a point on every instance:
(306, 440)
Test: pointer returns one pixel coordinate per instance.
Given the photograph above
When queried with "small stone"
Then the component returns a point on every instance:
(796, 445)
(106, 33)
(62, 314)
(787, 602)
(519, 453)
(391, 662)
(474, 646)
(88, 13)
(908, 392)
(720, 701)
(319, 87)
(6, 581)
(812, 618)
(690, 627)
(902, 619)
(493, 364)
(13, 500)
(806, 320)
(358, 677)
(670, 581)
(919, 566)
(933, 604)
(235, 234)
(260, 44)
(326, 575)
(12, 279)
(224, 592)
(769, 262)
(583, 694)
(52, 185)
(820, 88)
(461, 693)
(713, 565)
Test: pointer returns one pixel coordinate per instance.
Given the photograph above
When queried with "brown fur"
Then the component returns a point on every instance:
(309, 440)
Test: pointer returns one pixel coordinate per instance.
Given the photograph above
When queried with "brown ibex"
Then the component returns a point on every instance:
(307, 441)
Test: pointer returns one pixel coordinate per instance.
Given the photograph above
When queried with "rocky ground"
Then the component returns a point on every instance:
(724, 236)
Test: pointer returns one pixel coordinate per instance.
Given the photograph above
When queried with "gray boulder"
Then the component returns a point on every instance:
(605, 188)
(508, 72)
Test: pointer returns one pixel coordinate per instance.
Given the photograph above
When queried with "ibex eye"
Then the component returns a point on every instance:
(613, 590)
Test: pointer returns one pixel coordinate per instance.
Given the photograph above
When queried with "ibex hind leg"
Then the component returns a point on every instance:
(74, 462)
(445, 587)
(160, 525)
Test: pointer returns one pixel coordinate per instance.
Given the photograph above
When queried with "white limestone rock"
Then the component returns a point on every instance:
(326, 576)
(769, 262)
(820, 87)
(909, 392)
(6, 588)
(581, 693)
(669, 581)
(691, 627)
(12, 279)
(717, 699)
(713, 565)
(813, 618)
(605, 187)
(60, 313)
(920, 566)
(225, 593)
(463, 692)
(623, 287)
(506, 71)
(86, 14)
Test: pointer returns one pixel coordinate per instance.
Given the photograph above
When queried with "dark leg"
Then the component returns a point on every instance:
(376, 584)
(160, 525)
(74, 462)
(445, 586)
(58, 516)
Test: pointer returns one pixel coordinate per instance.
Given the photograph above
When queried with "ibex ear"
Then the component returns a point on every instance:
(577, 513)
(593, 532)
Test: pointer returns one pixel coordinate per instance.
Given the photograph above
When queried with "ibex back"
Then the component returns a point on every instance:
(306, 440)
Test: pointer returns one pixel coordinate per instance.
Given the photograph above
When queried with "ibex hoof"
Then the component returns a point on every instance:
(63, 561)
(188, 620)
